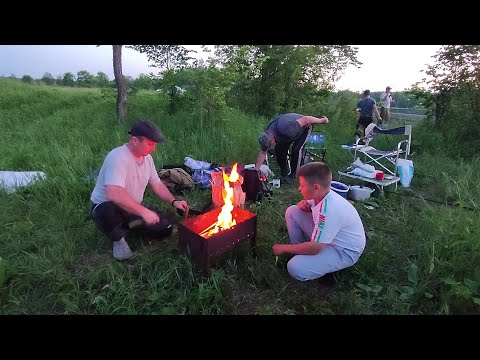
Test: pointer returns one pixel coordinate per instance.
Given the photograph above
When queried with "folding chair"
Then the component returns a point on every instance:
(315, 149)
(386, 159)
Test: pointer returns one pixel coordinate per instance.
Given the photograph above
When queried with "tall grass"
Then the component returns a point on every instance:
(421, 257)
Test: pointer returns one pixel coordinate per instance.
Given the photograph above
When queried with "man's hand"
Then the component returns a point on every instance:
(312, 120)
(182, 205)
(150, 217)
(304, 205)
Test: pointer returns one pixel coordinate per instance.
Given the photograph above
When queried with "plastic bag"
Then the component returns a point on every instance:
(405, 172)
(11, 180)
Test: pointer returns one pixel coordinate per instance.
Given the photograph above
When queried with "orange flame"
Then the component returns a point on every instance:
(233, 174)
(225, 220)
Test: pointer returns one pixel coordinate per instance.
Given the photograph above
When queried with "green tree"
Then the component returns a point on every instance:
(169, 82)
(102, 79)
(453, 95)
(69, 79)
(280, 76)
(48, 79)
(166, 57)
(84, 79)
(169, 59)
(455, 66)
(143, 81)
(207, 88)
(128, 81)
(27, 79)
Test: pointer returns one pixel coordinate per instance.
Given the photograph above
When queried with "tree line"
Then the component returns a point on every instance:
(85, 79)
(257, 79)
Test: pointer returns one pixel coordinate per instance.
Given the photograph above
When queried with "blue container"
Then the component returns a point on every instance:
(340, 188)
(316, 138)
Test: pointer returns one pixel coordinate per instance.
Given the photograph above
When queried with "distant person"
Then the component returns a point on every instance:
(386, 99)
(367, 106)
(282, 132)
(118, 194)
(325, 231)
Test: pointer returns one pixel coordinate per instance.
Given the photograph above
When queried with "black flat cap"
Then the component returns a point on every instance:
(147, 129)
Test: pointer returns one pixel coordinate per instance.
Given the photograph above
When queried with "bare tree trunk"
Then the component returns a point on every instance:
(120, 81)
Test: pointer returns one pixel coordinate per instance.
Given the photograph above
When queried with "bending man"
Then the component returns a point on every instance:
(282, 132)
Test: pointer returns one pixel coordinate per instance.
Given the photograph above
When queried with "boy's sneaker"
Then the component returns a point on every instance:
(121, 250)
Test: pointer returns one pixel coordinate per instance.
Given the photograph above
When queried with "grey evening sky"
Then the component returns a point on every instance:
(398, 66)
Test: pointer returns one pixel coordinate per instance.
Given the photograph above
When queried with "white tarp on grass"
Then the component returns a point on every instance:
(10, 180)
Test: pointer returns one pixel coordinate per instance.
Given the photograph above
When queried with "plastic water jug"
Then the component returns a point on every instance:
(316, 138)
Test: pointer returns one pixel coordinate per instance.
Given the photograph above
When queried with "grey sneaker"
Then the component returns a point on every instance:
(121, 250)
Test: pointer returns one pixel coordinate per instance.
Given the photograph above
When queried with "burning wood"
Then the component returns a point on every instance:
(232, 195)
(218, 187)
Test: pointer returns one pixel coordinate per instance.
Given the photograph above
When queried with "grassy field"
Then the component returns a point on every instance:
(422, 256)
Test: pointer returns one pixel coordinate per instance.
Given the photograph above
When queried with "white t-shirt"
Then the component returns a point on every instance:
(337, 222)
(387, 101)
(120, 168)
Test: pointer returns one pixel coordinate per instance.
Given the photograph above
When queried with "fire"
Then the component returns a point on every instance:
(224, 220)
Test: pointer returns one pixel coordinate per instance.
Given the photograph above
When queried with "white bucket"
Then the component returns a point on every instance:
(360, 193)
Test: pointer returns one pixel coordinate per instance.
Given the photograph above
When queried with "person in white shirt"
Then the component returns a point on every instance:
(116, 200)
(326, 233)
(386, 99)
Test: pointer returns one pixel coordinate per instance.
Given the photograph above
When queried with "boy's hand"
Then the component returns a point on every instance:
(277, 249)
(304, 205)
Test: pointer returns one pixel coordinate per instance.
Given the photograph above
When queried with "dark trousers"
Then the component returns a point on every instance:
(297, 153)
(384, 114)
(114, 222)
(363, 122)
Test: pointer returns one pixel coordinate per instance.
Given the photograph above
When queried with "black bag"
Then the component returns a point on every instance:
(255, 185)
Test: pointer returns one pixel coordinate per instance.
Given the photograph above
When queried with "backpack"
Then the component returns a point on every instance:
(255, 185)
(176, 178)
